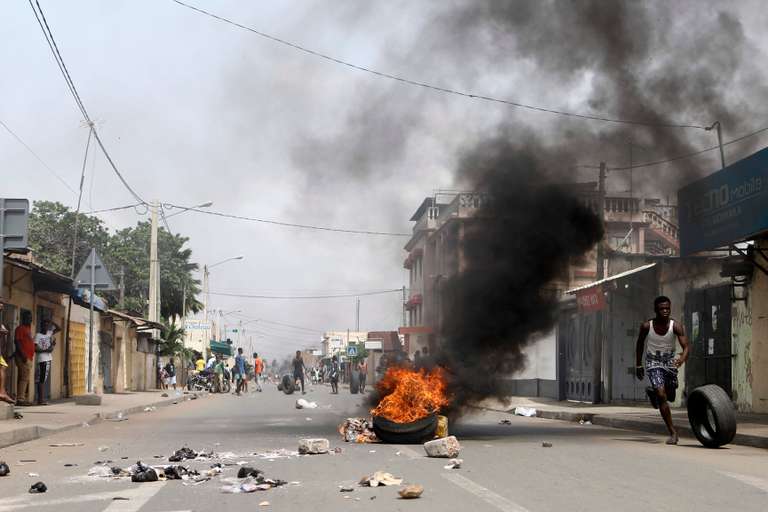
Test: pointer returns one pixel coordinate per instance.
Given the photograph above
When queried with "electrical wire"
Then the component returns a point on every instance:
(19, 139)
(290, 224)
(287, 326)
(43, 22)
(437, 88)
(300, 297)
(115, 209)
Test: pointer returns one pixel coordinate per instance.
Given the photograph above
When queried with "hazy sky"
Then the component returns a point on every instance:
(193, 110)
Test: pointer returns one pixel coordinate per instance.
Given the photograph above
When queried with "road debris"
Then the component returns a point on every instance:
(358, 430)
(346, 489)
(264, 504)
(100, 472)
(182, 454)
(33, 475)
(140, 472)
(410, 492)
(525, 411)
(505, 422)
(63, 445)
(4, 469)
(150, 409)
(176, 472)
(447, 447)
(17, 415)
(454, 464)
(246, 471)
(253, 484)
(313, 446)
(164, 395)
(584, 422)
(380, 478)
(38, 487)
(305, 404)
(70, 465)
(103, 448)
(546, 444)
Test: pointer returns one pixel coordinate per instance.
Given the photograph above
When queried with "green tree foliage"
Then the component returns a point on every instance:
(51, 228)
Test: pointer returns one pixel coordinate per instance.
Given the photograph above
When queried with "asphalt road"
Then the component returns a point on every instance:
(505, 466)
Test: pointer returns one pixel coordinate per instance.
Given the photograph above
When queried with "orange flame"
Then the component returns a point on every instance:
(410, 395)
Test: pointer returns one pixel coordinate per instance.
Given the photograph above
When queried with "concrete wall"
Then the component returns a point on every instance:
(757, 372)
(741, 336)
(541, 358)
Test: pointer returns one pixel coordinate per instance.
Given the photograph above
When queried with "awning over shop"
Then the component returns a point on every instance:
(43, 279)
(221, 347)
(612, 278)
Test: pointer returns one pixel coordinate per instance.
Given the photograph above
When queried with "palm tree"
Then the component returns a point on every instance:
(173, 341)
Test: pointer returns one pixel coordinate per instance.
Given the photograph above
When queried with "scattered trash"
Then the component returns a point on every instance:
(246, 471)
(27, 461)
(103, 448)
(525, 411)
(338, 450)
(546, 444)
(17, 415)
(584, 422)
(252, 485)
(442, 427)
(447, 447)
(140, 472)
(38, 487)
(371, 451)
(85, 425)
(410, 492)
(380, 478)
(308, 419)
(272, 455)
(313, 446)
(358, 430)
(150, 409)
(33, 475)
(264, 504)
(346, 489)
(182, 454)
(164, 395)
(454, 464)
(505, 422)
(120, 498)
(304, 404)
(70, 465)
(4, 469)
(62, 445)
(100, 472)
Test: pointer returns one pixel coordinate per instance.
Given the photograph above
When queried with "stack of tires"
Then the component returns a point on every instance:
(712, 416)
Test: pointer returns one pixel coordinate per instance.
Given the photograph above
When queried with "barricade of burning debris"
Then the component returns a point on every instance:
(407, 412)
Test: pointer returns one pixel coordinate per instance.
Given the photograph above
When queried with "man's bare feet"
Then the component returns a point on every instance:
(672, 439)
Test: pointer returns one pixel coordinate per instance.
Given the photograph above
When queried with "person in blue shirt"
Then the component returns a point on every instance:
(239, 370)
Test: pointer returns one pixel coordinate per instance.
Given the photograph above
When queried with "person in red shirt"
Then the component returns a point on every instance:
(25, 356)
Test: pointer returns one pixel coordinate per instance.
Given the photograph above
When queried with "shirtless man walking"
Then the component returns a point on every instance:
(657, 339)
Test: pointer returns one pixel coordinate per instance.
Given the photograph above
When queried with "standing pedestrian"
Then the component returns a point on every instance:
(362, 368)
(333, 375)
(239, 370)
(4, 396)
(25, 354)
(170, 371)
(44, 345)
(298, 370)
(258, 368)
(657, 337)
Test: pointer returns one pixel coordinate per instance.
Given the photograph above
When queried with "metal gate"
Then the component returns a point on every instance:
(77, 357)
(708, 324)
(576, 338)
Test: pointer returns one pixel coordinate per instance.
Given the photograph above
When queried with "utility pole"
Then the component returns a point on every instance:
(601, 215)
(404, 313)
(154, 271)
(122, 287)
(597, 389)
(357, 316)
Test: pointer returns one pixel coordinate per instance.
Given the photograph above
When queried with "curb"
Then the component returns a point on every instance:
(24, 434)
(636, 425)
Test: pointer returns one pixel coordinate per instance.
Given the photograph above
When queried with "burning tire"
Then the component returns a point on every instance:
(711, 414)
(415, 432)
(287, 385)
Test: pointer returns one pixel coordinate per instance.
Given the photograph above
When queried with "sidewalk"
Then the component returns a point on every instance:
(752, 429)
(41, 421)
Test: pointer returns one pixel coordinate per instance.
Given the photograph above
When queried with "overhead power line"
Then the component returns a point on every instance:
(43, 22)
(115, 209)
(291, 224)
(19, 139)
(263, 321)
(301, 297)
(446, 90)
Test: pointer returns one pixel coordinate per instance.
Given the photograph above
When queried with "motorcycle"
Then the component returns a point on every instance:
(201, 382)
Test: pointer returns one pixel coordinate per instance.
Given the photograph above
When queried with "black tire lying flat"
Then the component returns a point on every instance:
(405, 433)
(288, 385)
(712, 416)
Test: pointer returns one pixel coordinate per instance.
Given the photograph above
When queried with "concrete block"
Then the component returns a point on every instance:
(6, 411)
(313, 446)
(447, 447)
(87, 399)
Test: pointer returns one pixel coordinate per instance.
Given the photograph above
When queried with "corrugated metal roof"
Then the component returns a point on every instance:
(612, 278)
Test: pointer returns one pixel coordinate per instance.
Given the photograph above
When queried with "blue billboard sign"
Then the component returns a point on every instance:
(728, 206)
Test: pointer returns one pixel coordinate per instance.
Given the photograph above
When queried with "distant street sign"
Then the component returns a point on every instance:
(93, 266)
(725, 207)
(14, 215)
(352, 351)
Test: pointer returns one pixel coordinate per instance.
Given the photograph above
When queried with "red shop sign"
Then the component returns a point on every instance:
(592, 299)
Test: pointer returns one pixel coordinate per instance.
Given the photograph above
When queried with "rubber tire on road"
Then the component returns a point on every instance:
(415, 432)
(288, 385)
(354, 383)
(712, 416)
